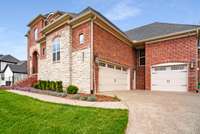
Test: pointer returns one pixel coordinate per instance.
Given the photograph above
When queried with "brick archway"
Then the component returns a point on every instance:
(35, 63)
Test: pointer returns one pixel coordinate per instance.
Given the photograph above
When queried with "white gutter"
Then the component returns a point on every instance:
(165, 36)
(91, 57)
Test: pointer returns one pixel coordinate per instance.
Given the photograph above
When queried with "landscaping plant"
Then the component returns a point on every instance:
(71, 89)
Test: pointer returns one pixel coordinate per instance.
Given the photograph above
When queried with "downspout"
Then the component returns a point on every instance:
(198, 58)
(91, 57)
(70, 55)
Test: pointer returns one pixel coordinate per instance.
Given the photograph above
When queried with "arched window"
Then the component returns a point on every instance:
(81, 38)
(36, 34)
(56, 49)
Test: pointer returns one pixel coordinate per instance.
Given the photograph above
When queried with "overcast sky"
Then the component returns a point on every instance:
(126, 14)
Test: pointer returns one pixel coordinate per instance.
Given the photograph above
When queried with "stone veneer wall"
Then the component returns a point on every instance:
(81, 69)
(60, 70)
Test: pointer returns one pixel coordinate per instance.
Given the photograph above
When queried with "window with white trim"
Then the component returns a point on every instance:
(36, 34)
(56, 50)
(81, 38)
(141, 55)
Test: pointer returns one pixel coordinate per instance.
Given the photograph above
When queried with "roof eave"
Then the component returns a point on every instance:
(166, 36)
(57, 23)
(91, 13)
(36, 18)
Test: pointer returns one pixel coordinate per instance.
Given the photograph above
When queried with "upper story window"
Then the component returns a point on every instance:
(36, 34)
(141, 55)
(81, 38)
(43, 51)
(56, 49)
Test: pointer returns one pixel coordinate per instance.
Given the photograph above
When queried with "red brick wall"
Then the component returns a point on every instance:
(82, 29)
(140, 77)
(110, 48)
(175, 50)
(31, 40)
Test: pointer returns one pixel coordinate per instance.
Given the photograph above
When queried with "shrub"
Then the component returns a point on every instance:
(42, 84)
(52, 86)
(72, 89)
(49, 85)
(59, 86)
(36, 85)
(199, 85)
(92, 98)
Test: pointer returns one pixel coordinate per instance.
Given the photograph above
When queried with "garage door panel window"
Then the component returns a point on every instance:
(178, 67)
(102, 64)
(110, 66)
(160, 68)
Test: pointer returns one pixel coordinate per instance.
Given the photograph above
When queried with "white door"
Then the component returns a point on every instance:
(169, 78)
(112, 78)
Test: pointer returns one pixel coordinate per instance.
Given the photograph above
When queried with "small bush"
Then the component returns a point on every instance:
(42, 84)
(198, 85)
(72, 89)
(92, 98)
(49, 85)
(59, 87)
(84, 98)
(36, 85)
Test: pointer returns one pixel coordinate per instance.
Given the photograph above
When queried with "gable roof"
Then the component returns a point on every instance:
(98, 13)
(21, 67)
(157, 29)
(8, 58)
(47, 14)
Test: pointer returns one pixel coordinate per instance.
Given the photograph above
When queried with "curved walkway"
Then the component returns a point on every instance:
(59, 100)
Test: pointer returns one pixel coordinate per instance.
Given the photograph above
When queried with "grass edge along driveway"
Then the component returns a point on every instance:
(24, 115)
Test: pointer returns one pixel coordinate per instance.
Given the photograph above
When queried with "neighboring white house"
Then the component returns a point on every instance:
(11, 70)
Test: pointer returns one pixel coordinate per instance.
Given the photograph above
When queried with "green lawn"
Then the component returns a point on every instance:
(24, 115)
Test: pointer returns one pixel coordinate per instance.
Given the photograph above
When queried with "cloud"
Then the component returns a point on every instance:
(123, 10)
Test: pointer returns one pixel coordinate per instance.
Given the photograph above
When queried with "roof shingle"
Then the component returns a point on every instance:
(157, 29)
(8, 58)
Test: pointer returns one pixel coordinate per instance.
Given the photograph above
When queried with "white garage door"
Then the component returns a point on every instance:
(169, 78)
(112, 78)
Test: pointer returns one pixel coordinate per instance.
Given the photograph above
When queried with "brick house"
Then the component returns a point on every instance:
(87, 50)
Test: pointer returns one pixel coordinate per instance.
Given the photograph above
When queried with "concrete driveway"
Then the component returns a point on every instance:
(161, 112)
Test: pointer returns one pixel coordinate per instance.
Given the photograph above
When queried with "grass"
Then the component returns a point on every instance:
(24, 115)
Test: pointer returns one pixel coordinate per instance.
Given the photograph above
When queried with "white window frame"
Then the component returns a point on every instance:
(141, 57)
(56, 50)
(81, 38)
(36, 34)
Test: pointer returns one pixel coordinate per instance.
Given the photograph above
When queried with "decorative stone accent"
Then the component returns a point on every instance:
(81, 69)
(58, 71)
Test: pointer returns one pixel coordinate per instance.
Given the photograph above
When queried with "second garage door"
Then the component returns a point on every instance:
(169, 78)
(112, 77)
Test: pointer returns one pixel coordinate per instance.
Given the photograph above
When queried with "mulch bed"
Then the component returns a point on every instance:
(99, 98)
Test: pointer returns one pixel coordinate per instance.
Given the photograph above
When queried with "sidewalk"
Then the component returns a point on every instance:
(59, 100)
